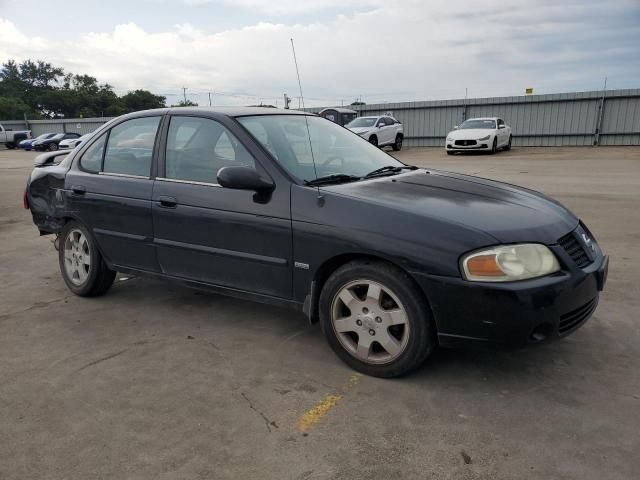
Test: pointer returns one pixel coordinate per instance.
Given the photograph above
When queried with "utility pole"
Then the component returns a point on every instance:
(184, 93)
(209, 98)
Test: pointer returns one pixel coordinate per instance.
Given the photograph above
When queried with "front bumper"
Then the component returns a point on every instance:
(521, 312)
(462, 148)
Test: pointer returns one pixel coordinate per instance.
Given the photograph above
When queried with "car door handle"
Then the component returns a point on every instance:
(167, 202)
(78, 189)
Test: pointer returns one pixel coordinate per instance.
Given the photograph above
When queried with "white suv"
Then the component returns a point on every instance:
(379, 131)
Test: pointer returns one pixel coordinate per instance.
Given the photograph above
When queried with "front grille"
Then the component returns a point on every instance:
(575, 250)
(573, 319)
(465, 143)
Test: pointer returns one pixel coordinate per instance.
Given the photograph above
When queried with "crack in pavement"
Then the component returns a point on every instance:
(100, 360)
(35, 306)
(267, 422)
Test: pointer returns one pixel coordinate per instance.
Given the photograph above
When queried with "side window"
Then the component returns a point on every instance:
(198, 147)
(130, 147)
(388, 120)
(380, 123)
(500, 122)
(92, 158)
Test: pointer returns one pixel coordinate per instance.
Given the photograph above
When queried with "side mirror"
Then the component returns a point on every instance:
(244, 178)
(455, 127)
(500, 126)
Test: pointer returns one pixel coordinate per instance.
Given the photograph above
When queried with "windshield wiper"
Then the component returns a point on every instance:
(335, 178)
(389, 169)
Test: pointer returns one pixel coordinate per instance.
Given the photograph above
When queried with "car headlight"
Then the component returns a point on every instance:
(506, 263)
(449, 139)
(484, 138)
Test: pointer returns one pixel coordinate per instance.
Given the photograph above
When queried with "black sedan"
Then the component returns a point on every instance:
(52, 143)
(292, 209)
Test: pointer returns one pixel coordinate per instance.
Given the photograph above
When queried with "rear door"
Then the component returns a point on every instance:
(109, 190)
(203, 232)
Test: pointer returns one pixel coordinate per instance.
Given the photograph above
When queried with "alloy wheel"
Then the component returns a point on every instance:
(77, 257)
(370, 322)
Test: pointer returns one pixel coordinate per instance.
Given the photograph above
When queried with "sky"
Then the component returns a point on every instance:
(377, 50)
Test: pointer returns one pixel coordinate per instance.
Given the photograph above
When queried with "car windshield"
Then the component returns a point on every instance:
(477, 123)
(58, 136)
(362, 122)
(44, 135)
(334, 149)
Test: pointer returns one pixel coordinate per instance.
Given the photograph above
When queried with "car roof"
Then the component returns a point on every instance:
(483, 118)
(339, 110)
(227, 111)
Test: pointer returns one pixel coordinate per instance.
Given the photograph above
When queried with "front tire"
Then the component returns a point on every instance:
(81, 264)
(373, 140)
(53, 147)
(376, 319)
(494, 147)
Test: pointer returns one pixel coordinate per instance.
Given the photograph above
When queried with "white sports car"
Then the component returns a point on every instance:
(72, 142)
(478, 134)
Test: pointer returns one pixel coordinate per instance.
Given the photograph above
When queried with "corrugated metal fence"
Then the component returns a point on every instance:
(38, 127)
(581, 118)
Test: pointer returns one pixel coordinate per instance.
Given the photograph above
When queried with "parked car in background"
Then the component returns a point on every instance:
(70, 143)
(52, 143)
(379, 130)
(339, 115)
(289, 208)
(28, 143)
(11, 138)
(487, 134)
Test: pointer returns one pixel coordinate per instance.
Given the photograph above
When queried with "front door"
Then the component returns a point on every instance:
(110, 192)
(206, 233)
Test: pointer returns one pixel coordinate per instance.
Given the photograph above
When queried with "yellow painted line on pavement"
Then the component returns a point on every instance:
(317, 413)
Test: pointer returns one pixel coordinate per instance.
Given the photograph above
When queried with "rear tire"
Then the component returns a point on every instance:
(494, 147)
(387, 329)
(81, 264)
(373, 140)
(10, 145)
(397, 145)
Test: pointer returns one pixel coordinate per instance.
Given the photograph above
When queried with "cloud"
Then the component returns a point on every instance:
(408, 50)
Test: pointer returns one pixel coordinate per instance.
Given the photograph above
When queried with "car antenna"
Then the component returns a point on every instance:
(306, 121)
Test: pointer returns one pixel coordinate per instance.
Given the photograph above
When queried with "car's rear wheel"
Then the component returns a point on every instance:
(376, 319)
(508, 147)
(53, 147)
(494, 147)
(373, 140)
(82, 266)
(10, 145)
(397, 145)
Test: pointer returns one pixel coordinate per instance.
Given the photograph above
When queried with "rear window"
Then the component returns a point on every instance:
(130, 147)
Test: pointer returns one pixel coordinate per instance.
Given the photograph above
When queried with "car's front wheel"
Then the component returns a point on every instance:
(82, 266)
(373, 140)
(376, 319)
(53, 147)
(494, 147)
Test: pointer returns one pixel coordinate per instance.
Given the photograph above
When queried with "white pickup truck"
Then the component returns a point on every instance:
(11, 138)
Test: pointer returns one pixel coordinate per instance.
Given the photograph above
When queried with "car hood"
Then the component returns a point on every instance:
(360, 130)
(505, 212)
(470, 133)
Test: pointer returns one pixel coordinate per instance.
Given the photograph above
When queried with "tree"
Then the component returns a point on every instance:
(39, 89)
(142, 100)
(185, 103)
(12, 108)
